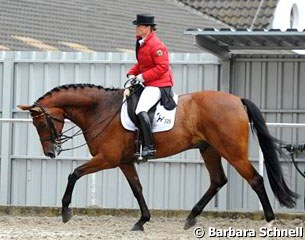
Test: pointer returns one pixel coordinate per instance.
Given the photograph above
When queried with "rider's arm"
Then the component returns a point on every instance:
(160, 57)
(135, 70)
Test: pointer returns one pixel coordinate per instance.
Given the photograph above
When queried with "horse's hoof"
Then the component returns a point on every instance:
(66, 215)
(269, 225)
(189, 223)
(137, 227)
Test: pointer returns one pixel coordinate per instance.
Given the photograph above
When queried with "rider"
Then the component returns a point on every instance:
(153, 70)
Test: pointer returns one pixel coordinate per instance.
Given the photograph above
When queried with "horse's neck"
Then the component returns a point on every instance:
(88, 110)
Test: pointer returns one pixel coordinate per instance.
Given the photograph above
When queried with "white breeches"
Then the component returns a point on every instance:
(149, 97)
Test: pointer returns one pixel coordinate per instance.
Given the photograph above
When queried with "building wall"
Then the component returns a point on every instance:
(176, 182)
(276, 86)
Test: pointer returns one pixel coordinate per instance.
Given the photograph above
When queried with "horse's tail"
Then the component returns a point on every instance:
(270, 147)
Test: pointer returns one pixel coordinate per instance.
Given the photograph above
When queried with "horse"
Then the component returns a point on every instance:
(216, 123)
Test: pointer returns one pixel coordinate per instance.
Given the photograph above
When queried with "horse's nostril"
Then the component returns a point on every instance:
(51, 154)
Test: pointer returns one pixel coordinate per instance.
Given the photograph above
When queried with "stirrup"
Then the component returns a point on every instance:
(138, 154)
(148, 152)
(144, 154)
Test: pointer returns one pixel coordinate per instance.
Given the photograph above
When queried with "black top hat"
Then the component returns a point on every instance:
(144, 19)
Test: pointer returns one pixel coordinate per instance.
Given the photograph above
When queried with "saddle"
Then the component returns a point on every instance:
(132, 103)
(132, 99)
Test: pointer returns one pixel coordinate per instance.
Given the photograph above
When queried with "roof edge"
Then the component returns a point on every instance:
(225, 43)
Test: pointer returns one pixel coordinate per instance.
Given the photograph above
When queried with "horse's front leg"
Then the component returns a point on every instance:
(96, 164)
(131, 174)
(66, 212)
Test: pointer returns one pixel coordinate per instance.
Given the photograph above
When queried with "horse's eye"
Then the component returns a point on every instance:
(42, 125)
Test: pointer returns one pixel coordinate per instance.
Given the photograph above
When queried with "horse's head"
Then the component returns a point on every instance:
(49, 123)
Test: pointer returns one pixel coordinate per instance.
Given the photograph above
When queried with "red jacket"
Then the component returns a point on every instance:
(153, 63)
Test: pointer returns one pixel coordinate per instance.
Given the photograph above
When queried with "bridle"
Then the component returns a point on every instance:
(54, 134)
(57, 138)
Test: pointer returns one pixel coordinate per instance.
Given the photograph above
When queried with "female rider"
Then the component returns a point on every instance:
(152, 69)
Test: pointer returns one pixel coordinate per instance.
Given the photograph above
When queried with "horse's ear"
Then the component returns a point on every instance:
(35, 110)
(24, 107)
(32, 109)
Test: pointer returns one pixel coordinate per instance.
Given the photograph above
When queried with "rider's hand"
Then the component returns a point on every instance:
(129, 82)
(140, 78)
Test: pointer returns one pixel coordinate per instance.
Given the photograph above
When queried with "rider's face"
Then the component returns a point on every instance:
(143, 30)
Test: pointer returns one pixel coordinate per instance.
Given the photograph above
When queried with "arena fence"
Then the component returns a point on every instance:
(28, 178)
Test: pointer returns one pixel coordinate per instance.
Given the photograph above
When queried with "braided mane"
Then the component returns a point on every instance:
(76, 86)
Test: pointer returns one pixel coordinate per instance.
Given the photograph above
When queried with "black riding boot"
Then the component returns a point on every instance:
(145, 124)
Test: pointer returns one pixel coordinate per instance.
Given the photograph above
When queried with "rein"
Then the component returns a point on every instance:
(136, 86)
(60, 138)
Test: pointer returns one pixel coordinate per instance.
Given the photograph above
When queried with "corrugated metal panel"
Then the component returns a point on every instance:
(1, 109)
(275, 85)
(39, 181)
(1, 85)
(1, 91)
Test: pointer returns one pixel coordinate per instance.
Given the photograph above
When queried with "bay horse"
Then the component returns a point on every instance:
(216, 123)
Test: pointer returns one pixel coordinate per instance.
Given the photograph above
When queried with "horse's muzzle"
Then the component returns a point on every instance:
(50, 154)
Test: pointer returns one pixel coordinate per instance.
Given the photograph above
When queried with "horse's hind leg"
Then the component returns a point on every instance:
(131, 175)
(248, 172)
(217, 180)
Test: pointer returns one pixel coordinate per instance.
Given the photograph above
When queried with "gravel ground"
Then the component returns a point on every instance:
(113, 227)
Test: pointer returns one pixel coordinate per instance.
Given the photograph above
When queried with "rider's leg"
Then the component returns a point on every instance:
(149, 97)
(145, 124)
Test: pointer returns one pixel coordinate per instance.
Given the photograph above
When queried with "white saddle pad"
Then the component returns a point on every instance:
(163, 120)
